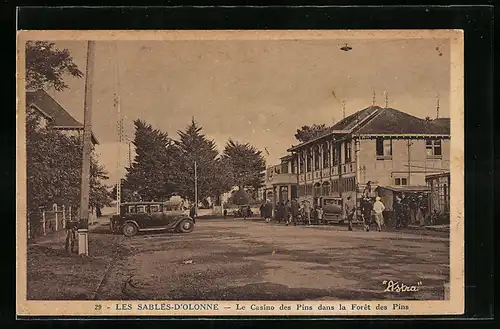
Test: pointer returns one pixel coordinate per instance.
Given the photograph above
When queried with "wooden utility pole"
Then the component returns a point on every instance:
(195, 190)
(119, 124)
(83, 238)
(437, 107)
(409, 144)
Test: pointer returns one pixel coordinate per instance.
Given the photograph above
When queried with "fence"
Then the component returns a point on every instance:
(50, 221)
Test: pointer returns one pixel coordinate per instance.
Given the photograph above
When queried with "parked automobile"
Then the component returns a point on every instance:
(137, 217)
(240, 212)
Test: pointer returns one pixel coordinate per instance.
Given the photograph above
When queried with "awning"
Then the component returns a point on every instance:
(405, 188)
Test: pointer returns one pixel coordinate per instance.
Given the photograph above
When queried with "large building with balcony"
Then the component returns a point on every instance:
(384, 146)
(280, 182)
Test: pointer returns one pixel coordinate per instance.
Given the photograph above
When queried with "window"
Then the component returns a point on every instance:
(326, 156)
(154, 208)
(317, 158)
(292, 165)
(400, 181)
(348, 147)
(384, 148)
(302, 190)
(433, 148)
(284, 167)
(336, 155)
(141, 209)
(326, 188)
(309, 161)
(301, 162)
(317, 190)
(131, 209)
(309, 189)
(335, 186)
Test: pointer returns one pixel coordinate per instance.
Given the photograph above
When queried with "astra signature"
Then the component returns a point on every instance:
(395, 286)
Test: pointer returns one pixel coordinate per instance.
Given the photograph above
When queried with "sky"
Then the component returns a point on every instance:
(252, 91)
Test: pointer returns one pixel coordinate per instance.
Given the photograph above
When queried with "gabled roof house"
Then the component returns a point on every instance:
(54, 114)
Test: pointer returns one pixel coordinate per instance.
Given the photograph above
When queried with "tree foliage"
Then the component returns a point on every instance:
(46, 66)
(196, 147)
(246, 164)
(165, 167)
(307, 133)
(54, 163)
(152, 174)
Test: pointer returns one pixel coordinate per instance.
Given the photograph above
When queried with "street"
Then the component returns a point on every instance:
(233, 259)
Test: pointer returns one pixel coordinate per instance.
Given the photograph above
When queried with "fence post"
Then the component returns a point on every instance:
(63, 216)
(57, 218)
(43, 222)
(70, 213)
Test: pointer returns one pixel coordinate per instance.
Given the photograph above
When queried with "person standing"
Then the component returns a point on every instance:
(244, 212)
(367, 213)
(420, 210)
(398, 207)
(319, 214)
(294, 210)
(378, 208)
(405, 210)
(350, 209)
(261, 209)
(368, 190)
(413, 208)
(286, 212)
(192, 211)
(307, 211)
(268, 211)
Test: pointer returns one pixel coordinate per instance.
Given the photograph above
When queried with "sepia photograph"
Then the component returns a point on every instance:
(240, 172)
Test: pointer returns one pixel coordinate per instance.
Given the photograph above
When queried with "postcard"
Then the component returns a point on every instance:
(240, 173)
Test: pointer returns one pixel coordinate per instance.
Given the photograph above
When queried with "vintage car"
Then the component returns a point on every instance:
(137, 217)
(332, 209)
(240, 212)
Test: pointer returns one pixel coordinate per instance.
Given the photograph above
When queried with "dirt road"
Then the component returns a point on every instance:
(236, 259)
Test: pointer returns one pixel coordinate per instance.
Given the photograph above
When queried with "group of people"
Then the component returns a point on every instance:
(291, 212)
(407, 209)
(410, 209)
(369, 209)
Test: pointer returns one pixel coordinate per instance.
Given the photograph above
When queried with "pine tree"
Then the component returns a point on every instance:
(196, 147)
(246, 162)
(150, 175)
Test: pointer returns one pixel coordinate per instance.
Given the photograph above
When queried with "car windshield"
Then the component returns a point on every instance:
(330, 201)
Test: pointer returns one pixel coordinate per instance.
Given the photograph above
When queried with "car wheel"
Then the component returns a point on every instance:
(129, 229)
(185, 226)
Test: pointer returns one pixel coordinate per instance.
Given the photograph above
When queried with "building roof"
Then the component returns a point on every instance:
(405, 188)
(352, 120)
(375, 120)
(442, 122)
(442, 174)
(392, 121)
(49, 107)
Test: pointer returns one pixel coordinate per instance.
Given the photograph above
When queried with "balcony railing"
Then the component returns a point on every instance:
(283, 179)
